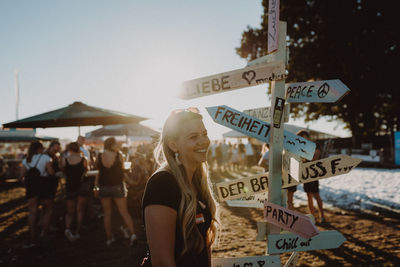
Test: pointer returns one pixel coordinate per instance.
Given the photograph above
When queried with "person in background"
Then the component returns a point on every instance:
(3, 169)
(110, 186)
(51, 184)
(178, 207)
(81, 142)
(264, 160)
(35, 191)
(250, 153)
(235, 158)
(75, 167)
(312, 188)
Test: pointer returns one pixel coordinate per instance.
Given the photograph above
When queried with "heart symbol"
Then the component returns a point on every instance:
(249, 76)
(248, 264)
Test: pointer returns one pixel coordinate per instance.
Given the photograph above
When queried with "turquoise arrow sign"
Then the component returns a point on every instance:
(260, 130)
(329, 91)
(280, 243)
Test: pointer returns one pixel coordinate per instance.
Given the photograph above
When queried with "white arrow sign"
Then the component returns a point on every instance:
(236, 79)
(264, 114)
(254, 261)
(306, 172)
(254, 201)
(281, 243)
(290, 220)
(260, 130)
(273, 25)
(243, 187)
(329, 91)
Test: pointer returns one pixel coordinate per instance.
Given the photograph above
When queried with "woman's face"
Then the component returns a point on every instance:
(192, 143)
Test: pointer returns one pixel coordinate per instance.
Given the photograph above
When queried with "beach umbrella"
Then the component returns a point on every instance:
(133, 129)
(76, 114)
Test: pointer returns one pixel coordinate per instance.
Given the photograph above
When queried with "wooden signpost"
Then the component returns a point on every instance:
(235, 79)
(305, 172)
(255, 261)
(265, 124)
(260, 130)
(265, 114)
(290, 220)
(281, 243)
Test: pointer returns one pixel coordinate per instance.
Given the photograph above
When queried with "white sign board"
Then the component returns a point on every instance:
(264, 114)
(254, 201)
(232, 80)
(253, 261)
(273, 25)
(305, 172)
(243, 187)
(329, 91)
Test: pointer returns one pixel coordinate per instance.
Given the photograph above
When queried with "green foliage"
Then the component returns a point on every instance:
(355, 41)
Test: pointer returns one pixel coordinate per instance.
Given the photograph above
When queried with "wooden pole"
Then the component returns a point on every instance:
(276, 139)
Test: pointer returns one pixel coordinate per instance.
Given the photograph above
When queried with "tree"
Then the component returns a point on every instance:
(355, 41)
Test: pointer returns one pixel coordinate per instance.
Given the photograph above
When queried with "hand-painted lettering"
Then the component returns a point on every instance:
(334, 163)
(227, 115)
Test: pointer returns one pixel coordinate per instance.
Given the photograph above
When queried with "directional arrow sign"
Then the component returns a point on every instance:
(243, 187)
(259, 129)
(329, 91)
(236, 79)
(320, 169)
(254, 261)
(264, 114)
(254, 201)
(281, 243)
(290, 220)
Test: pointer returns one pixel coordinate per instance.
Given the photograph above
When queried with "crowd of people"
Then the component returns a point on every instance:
(83, 176)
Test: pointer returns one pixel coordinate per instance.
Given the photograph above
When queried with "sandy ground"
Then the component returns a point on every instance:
(372, 239)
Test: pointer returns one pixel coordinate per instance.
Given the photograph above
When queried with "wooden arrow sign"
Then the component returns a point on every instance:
(264, 114)
(260, 130)
(290, 220)
(329, 91)
(253, 261)
(243, 187)
(236, 79)
(273, 25)
(320, 169)
(281, 243)
(254, 201)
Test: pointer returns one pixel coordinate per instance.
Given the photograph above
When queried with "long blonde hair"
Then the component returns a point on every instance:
(165, 158)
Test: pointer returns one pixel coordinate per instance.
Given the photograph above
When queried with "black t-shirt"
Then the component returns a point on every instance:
(162, 189)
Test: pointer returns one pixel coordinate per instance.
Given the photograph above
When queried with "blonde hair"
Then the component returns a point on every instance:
(165, 158)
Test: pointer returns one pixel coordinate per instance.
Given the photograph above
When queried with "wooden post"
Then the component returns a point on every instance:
(276, 139)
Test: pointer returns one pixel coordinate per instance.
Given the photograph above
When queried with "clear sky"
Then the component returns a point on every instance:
(128, 56)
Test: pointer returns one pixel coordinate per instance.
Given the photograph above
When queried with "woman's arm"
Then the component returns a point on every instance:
(49, 168)
(160, 230)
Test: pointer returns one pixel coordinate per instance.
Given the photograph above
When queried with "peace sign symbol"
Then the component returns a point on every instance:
(323, 90)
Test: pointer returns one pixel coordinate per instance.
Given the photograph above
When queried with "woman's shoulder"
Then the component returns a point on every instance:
(162, 177)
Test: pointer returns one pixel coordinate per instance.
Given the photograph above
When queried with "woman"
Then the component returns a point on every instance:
(75, 167)
(312, 188)
(110, 186)
(179, 210)
(36, 189)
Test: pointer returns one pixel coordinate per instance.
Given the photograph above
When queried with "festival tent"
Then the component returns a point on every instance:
(132, 131)
(76, 114)
(14, 136)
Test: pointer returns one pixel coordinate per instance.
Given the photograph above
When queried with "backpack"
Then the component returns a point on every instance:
(33, 172)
